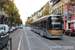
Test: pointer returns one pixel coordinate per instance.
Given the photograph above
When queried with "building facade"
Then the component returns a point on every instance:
(69, 18)
(35, 16)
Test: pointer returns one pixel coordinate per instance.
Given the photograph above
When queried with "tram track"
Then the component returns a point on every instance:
(62, 42)
(44, 42)
(40, 40)
(27, 40)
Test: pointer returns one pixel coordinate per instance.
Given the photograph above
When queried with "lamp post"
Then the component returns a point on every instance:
(67, 14)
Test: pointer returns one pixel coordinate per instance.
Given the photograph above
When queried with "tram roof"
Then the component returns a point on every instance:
(45, 17)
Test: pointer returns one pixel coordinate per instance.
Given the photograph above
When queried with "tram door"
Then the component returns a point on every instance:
(45, 27)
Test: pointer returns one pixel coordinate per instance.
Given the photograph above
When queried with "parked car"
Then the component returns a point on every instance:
(11, 29)
(4, 36)
(17, 27)
(5, 27)
(70, 32)
(20, 27)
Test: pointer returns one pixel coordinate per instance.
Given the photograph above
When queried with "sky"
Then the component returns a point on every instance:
(28, 7)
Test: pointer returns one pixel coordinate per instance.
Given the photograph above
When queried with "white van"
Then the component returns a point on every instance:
(4, 36)
(5, 27)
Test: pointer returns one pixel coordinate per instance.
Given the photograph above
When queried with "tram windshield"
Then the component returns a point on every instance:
(55, 23)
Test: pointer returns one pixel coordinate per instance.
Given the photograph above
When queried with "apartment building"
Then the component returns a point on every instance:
(69, 21)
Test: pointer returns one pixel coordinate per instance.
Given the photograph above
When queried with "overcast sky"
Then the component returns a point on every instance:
(28, 7)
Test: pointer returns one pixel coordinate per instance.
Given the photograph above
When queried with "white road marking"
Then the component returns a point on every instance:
(41, 41)
(27, 40)
(46, 44)
(20, 42)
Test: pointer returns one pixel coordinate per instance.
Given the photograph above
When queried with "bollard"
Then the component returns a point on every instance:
(10, 43)
(10, 39)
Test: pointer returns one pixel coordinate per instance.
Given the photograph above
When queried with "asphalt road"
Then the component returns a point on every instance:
(33, 41)
(16, 35)
(25, 39)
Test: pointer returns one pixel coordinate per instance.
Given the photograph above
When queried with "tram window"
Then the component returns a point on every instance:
(40, 25)
(37, 25)
(49, 22)
(44, 25)
(56, 26)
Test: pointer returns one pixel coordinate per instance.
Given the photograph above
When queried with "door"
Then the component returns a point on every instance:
(45, 28)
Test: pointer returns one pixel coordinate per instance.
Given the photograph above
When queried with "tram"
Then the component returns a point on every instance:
(48, 26)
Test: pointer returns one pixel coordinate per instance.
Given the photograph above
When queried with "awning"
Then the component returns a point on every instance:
(68, 15)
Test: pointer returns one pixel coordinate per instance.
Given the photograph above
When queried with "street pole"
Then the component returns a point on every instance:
(67, 14)
(1, 11)
(1, 6)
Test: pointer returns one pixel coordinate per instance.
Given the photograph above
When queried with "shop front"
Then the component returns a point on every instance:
(69, 24)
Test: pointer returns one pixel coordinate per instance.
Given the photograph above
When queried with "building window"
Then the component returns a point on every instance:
(58, 10)
(62, 9)
(74, 9)
(55, 12)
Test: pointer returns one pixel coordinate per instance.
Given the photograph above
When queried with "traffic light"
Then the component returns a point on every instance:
(2, 16)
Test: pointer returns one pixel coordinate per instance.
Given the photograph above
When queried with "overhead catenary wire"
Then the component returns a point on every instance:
(29, 5)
